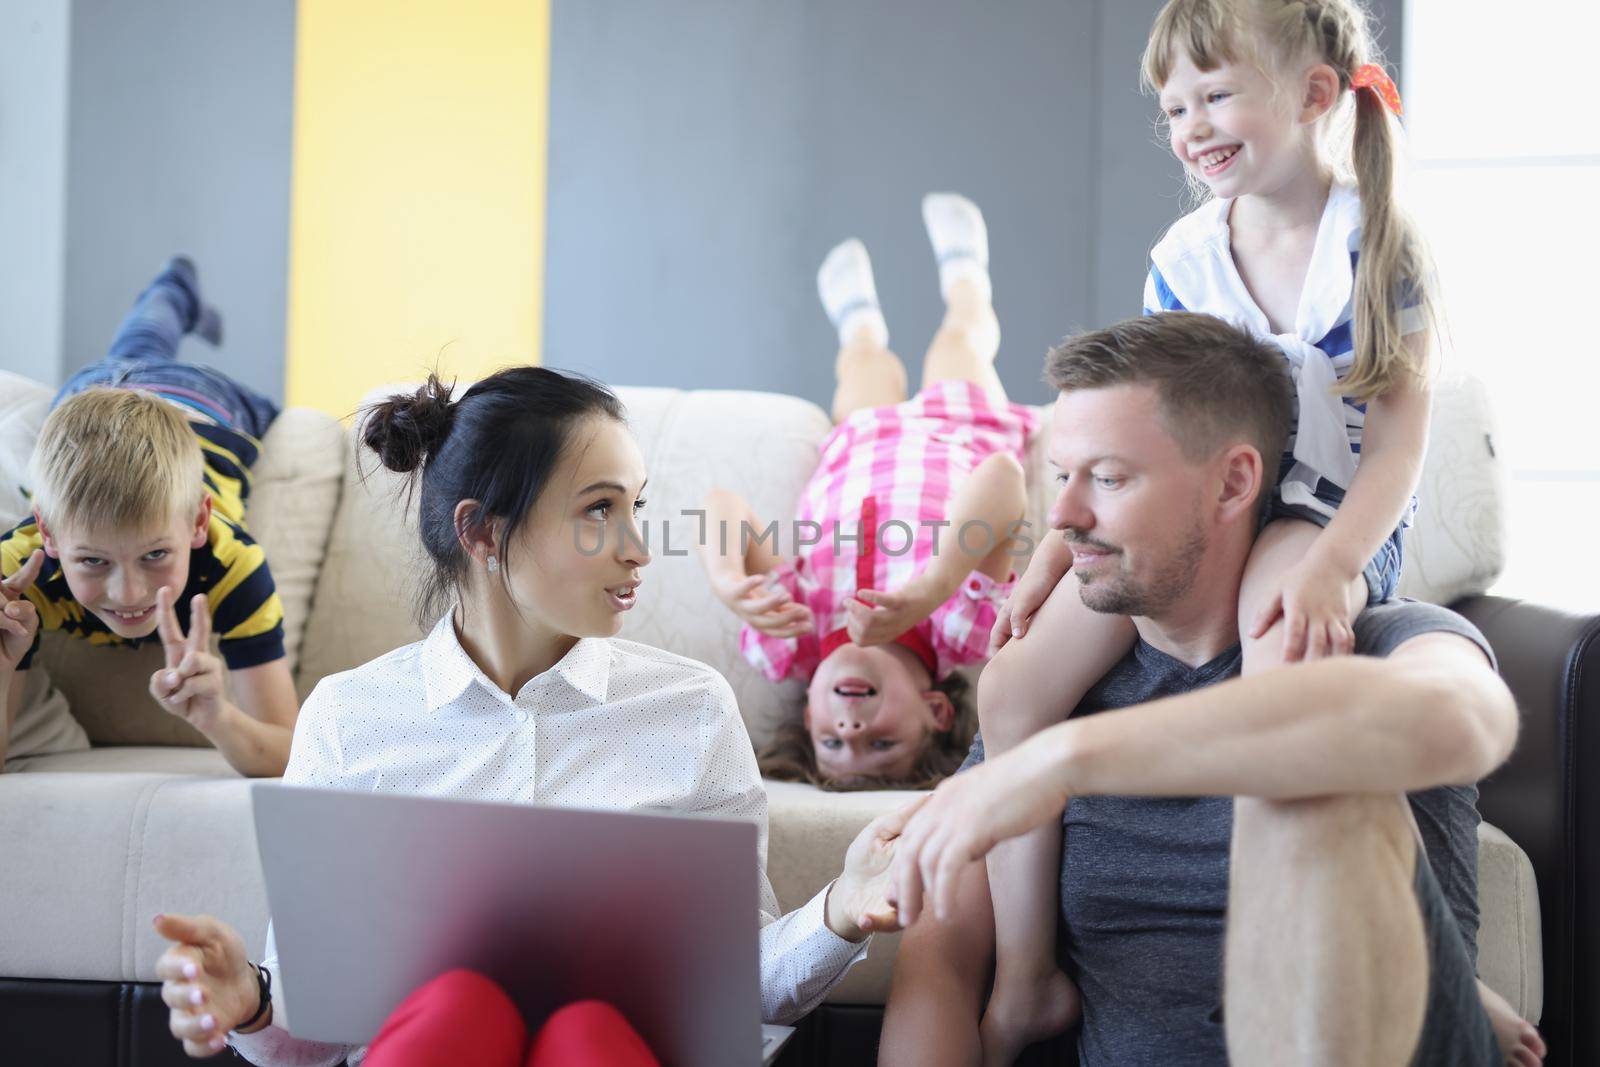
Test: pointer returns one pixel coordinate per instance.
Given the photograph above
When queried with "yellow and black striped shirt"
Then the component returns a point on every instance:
(231, 569)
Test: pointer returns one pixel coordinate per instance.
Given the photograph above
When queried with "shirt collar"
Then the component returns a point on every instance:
(1195, 261)
(448, 671)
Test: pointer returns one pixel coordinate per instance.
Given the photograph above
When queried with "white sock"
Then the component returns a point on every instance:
(844, 282)
(960, 241)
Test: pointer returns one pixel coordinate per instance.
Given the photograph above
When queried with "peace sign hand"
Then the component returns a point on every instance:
(190, 685)
(19, 619)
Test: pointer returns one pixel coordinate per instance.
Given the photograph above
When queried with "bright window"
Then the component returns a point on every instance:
(1506, 184)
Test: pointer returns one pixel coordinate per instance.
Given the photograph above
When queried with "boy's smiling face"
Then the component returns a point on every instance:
(115, 574)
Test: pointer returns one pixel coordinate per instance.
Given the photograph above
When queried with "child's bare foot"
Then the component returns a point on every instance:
(1519, 1040)
(1022, 1012)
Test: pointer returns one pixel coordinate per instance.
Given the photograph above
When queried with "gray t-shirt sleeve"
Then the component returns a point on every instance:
(1384, 627)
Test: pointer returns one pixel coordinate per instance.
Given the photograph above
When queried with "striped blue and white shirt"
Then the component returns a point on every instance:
(1192, 269)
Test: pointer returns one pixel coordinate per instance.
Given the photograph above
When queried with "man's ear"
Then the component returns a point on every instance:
(943, 711)
(1241, 483)
(51, 549)
(202, 523)
(1321, 92)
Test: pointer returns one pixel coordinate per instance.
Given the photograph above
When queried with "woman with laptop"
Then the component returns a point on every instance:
(529, 486)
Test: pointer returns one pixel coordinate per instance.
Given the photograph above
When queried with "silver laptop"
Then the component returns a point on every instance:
(372, 895)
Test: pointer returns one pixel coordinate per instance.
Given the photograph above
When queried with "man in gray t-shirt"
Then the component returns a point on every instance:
(1241, 880)
(1144, 897)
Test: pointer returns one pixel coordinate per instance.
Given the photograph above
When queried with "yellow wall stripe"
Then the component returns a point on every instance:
(418, 193)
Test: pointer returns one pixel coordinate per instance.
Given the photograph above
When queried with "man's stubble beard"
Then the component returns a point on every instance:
(1119, 594)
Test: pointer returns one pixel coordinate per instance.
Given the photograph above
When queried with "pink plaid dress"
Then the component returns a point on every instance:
(892, 470)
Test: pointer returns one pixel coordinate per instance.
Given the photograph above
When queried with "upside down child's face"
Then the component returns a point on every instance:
(115, 574)
(871, 712)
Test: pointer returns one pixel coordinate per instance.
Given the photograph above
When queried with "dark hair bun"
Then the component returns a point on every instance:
(407, 428)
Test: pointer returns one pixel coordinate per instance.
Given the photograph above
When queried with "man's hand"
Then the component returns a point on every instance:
(190, 685)
(19, 619)
(858, 902)
(970, 814)
(1050, 563)
(206, 982)
(1314, 601)
(768, 610)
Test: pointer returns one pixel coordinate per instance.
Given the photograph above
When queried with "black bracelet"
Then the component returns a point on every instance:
(264, 981)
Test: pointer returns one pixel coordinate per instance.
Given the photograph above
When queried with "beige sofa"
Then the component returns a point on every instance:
(96, 840)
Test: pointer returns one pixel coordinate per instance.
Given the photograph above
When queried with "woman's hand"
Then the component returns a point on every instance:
(19, 619)
(1315, 601)
(858, 902)
(207, 983)
(768, 610)
(190, 686)
(1050, 563)
(968, 815)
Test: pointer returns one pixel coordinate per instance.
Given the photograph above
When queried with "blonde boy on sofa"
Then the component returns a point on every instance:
(137, 534)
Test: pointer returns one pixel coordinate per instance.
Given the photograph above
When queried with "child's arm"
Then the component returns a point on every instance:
(1050, 563)
(255, 743)
(19, 623)
(988, 504)
(737, 562)
(1393, 442)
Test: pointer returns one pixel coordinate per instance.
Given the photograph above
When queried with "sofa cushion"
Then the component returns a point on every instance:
(1457, 546)
(44, 723)
(99, 842)
(23, 406)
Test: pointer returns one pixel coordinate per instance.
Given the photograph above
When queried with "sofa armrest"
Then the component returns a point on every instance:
(1546, 797)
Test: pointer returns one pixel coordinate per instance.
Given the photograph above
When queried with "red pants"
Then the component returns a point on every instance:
(461, 1017)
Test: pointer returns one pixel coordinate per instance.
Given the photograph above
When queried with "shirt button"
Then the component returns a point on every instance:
(522, 718)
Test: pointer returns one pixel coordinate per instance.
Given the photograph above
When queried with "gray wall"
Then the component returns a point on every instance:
(705, 154)
(33, 135)
(179, 140)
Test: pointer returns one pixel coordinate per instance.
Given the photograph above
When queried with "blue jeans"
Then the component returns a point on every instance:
(144, 354)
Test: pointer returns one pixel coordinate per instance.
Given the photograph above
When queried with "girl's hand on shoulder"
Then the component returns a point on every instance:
(190, 686)
(767, 610)
(1050, 563)
(1314, 602)
(19, 619)
(207, 983)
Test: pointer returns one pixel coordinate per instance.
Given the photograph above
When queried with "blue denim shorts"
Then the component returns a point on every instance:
(1382, 571)
(209, 391)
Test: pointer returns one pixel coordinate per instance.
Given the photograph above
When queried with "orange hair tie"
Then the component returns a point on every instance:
(1371, 76)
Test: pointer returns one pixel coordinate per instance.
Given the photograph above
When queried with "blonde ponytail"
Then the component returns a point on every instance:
(1394, 277)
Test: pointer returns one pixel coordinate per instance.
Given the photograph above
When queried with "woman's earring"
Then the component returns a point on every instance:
(494, 565)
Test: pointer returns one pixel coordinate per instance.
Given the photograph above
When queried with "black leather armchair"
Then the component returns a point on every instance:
(1547, 799)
